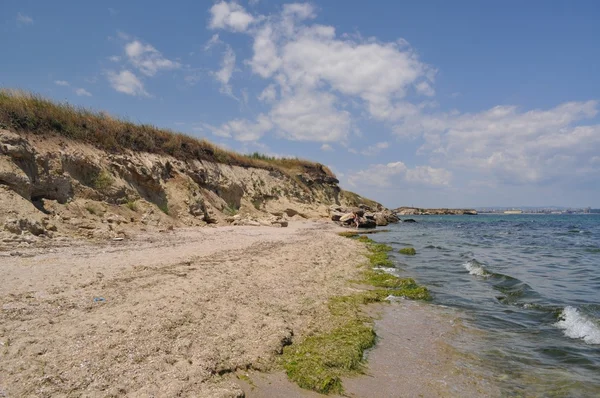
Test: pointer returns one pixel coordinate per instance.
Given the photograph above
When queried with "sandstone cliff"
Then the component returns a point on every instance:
(71, 172)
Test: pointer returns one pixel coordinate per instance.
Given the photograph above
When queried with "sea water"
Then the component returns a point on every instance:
(530, 283)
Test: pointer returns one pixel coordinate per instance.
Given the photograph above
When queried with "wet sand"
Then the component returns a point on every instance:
(414, 357)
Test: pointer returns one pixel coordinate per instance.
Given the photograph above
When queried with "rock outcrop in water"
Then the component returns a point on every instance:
(414, 211)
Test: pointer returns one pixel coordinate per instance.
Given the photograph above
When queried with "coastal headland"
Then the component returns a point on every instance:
(416, 211)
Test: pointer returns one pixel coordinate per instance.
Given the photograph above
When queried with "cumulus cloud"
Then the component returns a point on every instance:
(213, 41)
(242, 129)
(326, 148)
(78, 91)
(82, 92)
(375, 148)
(310, 116)
(147, 59)
(126, 82)
(515, 146)
(269, 94)
(312, 69)
(425, 88)
(230, 15)
(397, 173)
(223, 75)
(23, 19)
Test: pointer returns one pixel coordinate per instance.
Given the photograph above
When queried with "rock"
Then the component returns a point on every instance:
(19, 226)
(366, 223)
(409, 251)
(336, 215)
(409, 220)
(346, 217)
(381, 220)
(281, 223)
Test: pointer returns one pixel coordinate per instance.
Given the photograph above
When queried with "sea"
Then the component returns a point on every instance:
(528, 284)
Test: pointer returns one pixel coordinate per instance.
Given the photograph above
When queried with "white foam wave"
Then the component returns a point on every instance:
(578, 326)
(475, 268)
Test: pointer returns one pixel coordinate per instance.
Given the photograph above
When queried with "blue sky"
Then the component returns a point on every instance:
(429, 103)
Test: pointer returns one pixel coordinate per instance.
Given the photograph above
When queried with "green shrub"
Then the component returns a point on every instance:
(102, 180)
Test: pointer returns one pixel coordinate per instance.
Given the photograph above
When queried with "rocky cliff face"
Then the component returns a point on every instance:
(51, 186)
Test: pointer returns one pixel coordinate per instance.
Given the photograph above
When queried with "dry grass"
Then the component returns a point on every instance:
(355, 200)
(25, 112)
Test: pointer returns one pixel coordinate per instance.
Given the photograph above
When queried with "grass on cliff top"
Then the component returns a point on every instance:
(355, 200)
(320, 361)
(25, 112)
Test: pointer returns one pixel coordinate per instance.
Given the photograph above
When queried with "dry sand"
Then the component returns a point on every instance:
(164, 315)
(182, 313)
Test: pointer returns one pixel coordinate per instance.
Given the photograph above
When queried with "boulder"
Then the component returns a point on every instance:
(367, 223)
(346, 217)
(381, 220)
(336, 215)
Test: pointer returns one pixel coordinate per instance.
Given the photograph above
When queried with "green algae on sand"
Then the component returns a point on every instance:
(320, 361)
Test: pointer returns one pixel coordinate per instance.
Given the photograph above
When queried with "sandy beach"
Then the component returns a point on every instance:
(190, 312)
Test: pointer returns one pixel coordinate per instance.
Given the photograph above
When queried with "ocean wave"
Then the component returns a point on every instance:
(577, 325)
(476, 268)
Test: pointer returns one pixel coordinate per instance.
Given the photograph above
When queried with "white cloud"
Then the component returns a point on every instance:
(82, 92)
(396, 173)
(245, 97)
(425, 88)
(242, 129)
(126, 82)
(23, 19)
(229, 15)
(514, 146)
(213, 41)
(63, 83)
(312, 69)
(375, 148)
(269, 94)
(326, 148)
(310, 116)
(315, 58)
(265, 60)
(147, 59)
(299, 11)
(114, 58)
(223, 75)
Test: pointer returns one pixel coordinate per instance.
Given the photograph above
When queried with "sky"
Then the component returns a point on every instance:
(422, 103)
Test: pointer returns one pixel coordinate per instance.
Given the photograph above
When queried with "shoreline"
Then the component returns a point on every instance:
(196, 308)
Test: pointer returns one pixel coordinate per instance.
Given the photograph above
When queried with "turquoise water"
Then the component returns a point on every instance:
(530, 282)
